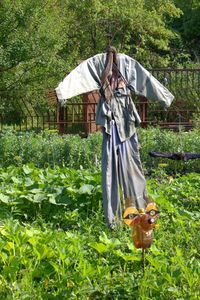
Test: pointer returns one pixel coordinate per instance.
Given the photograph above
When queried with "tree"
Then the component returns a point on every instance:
(138, 27)
(189, 27)
(43, 40)
(30, 42)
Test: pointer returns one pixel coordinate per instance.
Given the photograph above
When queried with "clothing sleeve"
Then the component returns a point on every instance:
(83, 79)
(145, 84)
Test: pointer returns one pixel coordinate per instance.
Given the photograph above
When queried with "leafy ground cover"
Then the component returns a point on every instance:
(54, 243)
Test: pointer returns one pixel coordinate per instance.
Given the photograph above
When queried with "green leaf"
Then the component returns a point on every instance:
(172, 289)
(38, 198)
(4, 198)
(127, 257)
(15, 180)
(9, 246)
(29, 182)
(86, 189)
(26, 169)
(28, 197)
(100, 247)
(36, 191)
(111, 242)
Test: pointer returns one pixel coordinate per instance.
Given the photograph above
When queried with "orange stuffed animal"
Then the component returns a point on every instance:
(142, 224)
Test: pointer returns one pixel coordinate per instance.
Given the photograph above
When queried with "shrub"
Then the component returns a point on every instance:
(50, 149)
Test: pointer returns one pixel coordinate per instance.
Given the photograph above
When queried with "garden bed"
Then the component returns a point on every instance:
(55, 245)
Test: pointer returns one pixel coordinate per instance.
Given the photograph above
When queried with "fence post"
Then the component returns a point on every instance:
(89, 101)
(143, 105)
(61, 119)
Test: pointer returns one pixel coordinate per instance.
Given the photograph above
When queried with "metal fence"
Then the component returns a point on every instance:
(79, 117)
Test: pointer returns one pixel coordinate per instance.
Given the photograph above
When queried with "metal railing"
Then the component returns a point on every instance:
(79, 117)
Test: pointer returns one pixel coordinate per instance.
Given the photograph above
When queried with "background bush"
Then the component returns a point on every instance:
(50, 149)
(156, 139)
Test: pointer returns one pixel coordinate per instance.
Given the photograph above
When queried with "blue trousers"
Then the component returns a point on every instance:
(122, 175)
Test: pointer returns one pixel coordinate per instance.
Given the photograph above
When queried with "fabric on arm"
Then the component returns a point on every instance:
(145, 84)
(83, 79)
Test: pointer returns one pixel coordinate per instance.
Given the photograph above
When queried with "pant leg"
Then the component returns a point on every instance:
(110, 176)
(131, 174)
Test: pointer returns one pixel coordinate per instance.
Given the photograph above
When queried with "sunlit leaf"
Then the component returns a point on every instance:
(86, 189)
(100, 247)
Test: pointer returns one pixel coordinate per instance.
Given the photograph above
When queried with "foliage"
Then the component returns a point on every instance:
(29, 49)
(64, 251)
(189, 26)
(136, 27)
(50, 149)
(155, 139)
(35, 191)
(35, 54)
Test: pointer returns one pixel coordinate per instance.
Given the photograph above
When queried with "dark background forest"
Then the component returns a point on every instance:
(41, 41)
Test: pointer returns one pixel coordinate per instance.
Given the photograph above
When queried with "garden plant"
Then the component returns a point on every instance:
(54, 244)
(53, 239)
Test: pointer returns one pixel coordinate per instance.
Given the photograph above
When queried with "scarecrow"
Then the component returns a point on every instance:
(116, 76)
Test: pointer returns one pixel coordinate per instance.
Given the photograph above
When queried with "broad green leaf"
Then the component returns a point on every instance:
(112, 242)
(28, 197)
(100, 247)
(127, 257)
(15, 179)
(52, 199)
(27, 170)
(38, 198)
(86, 189)
(29, 182)
(4, 198)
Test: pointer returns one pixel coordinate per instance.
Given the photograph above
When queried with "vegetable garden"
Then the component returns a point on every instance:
(53, 239)
(54, 243)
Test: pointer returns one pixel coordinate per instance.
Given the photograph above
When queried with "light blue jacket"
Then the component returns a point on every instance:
(87, 77)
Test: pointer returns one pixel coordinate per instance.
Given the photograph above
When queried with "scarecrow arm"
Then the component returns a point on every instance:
(175, 156)
(83, 79)
(145, 84)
